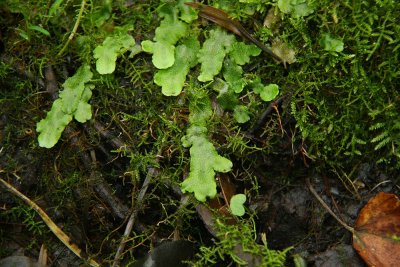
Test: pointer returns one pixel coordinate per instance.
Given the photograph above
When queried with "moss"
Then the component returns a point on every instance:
(344, 102)
(340, 108)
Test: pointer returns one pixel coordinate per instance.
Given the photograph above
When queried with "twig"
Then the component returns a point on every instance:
(51, 81)
(71, 36)
(312, 190)
(105, 192)
(115, 141)
(263, 118)
(64, 238)
(132, 218)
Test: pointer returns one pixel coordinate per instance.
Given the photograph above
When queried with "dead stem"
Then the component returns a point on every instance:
(63, 237)
(312, 190)
(128, 229)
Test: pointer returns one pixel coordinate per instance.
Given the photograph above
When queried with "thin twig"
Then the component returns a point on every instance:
(263, 118)
(312, 190)
(71, 36)
(105, 192)
(114, 140)
(132, 218)
(64, 238)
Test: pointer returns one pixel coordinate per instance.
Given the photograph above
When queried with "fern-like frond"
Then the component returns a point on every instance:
(383, 143)
(380, 137)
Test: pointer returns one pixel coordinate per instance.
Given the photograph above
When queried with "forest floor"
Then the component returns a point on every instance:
(112, 178)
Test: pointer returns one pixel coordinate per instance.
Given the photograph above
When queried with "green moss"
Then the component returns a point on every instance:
(338, 95)
(236, 244)
(341, 103)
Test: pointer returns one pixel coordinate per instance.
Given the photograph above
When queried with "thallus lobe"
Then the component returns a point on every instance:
(222, 19)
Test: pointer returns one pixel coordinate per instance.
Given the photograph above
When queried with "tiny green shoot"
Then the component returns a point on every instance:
(107, 53)
(328, 43)
(236, 204)
(296, 8)
(241, 114)
(267, 93)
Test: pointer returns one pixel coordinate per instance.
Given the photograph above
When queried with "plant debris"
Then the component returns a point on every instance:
(377, 231)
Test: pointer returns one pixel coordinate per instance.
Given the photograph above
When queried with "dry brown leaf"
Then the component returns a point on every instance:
(43, 255)
(376, 235)
(227, 187)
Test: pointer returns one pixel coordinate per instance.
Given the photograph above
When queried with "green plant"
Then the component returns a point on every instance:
(172, 79)
(4, 70)
(267, 93)
(112, 47)
(386, 132)
(173, 27)
(204, 159)
(236, 244)
(236, 204)
(296, 8)
(73, 100)
(72, 103)
(30, 219)
(341, 98)
(220, 52)
(329, 43)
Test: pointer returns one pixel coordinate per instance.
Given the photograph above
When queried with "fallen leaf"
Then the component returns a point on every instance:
(227, 187)
(376, 235)
(218, 204)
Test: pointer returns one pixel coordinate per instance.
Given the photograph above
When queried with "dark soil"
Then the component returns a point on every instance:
(285, 209)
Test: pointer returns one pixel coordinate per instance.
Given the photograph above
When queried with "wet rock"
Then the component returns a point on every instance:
(20, 261)
(168, 254)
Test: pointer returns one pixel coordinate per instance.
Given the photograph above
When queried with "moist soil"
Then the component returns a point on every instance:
(284, 208)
